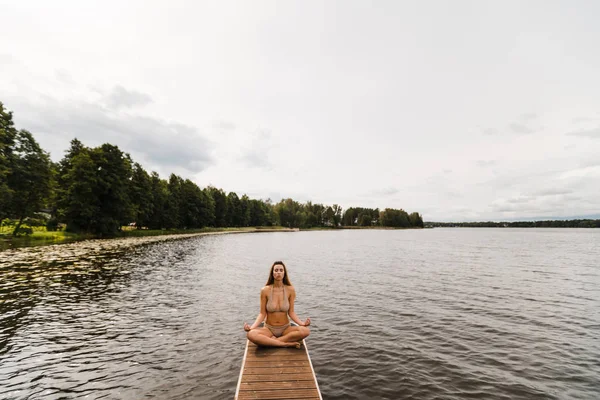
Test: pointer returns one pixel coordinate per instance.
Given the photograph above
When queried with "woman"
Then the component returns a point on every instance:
(276, 304)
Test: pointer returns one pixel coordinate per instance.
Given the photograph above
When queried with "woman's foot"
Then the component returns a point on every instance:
(297, 345)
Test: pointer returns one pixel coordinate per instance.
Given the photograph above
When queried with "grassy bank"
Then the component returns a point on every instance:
(42, 235)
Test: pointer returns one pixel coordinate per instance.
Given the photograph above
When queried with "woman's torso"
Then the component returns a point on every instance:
(278, 305)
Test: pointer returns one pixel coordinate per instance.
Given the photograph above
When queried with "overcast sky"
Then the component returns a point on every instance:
(460, 110)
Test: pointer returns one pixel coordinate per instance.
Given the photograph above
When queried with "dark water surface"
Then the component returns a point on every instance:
(424, 314)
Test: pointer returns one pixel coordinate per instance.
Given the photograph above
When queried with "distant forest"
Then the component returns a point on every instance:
(572, 223)
(99, 190)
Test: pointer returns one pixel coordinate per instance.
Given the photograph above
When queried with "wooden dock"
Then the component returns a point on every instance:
(277, 373)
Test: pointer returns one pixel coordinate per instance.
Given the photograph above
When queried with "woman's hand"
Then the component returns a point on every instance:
(307, 322)
(247, 327)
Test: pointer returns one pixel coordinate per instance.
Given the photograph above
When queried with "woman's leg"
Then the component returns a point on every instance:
(294, 334)
(263, 337)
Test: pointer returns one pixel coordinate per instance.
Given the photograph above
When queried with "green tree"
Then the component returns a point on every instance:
(80, 203)
(8, 134)
(29, 178)
(140, 193)
(328, 216)
(337, 215)
(244, 211)
(395, 218)
(206, 205)
(260, 213)
(365, 220)
(62, 170)
(220, 199)
(289, 213)
(234, 210)
(160, 198)
(112, 189)
(189, 212)
(197, 206)
(172, 213)
(350, 217)
(415, 219)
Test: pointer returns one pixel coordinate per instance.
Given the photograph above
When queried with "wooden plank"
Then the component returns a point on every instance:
(292, 384)
(280, 394)
(281, 353)
(275, 356)
(274, 371)
(237, 390)
(276, 363)
(277, 378)
(313, 370)
(277, 373)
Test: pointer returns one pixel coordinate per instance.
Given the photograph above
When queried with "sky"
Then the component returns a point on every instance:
(458, 110)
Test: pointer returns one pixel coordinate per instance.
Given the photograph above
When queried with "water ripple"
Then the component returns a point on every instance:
(431, 314)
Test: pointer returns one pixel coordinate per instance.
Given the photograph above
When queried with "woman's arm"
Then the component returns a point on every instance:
(263, 311)
(291, 311)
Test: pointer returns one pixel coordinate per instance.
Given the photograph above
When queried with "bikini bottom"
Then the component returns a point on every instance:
(277, 330)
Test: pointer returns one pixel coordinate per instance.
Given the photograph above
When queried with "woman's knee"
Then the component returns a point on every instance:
(305, 331)
(251, 335)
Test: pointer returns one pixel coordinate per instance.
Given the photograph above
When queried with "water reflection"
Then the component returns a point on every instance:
(430, 314)
(6, 244)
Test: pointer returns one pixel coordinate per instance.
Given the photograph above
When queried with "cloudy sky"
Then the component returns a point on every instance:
(460, 110)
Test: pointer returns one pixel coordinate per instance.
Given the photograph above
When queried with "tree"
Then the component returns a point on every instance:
(62, 170)
(365, 220)
(244, 211)
(29, 178)
(190, 198)
(220, 199)
(260, 213)
(96, 186)
(172, 214)
(207, 207)
(8, 134)
(112, 189)
(349, 217)
(234, 210)
(337, 215)
(415, 219)
(80, 203)
(140, 193)
(395, 218)
(199, 207)
(160, 197)
(328, 216)
(289, 213)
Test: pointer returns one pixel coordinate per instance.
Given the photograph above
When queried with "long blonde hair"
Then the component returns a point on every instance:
(286, 280)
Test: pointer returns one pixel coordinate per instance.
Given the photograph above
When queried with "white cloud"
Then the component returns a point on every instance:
(123, 98)
(156, 143)
(387, 106)
(590, 133)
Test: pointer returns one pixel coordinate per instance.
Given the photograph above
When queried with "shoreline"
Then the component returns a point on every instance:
(138, 237)
(86, 251)
(60, 238)
(341, 228)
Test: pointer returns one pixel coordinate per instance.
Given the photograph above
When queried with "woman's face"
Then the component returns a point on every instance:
(278, 272)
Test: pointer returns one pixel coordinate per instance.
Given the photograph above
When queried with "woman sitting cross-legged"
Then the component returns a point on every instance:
(276, 304)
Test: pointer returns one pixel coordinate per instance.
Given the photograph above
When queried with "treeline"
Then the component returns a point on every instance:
(572, 223)
(309, 215)
(389, 217)
(99, 190)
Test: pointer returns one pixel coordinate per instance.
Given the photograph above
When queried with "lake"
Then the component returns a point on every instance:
(445, 313)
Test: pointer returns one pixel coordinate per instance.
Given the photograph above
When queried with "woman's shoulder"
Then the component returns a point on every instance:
(265, 289)
(290, 288)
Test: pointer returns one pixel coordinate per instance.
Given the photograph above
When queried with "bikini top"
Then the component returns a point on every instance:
(284, 307)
